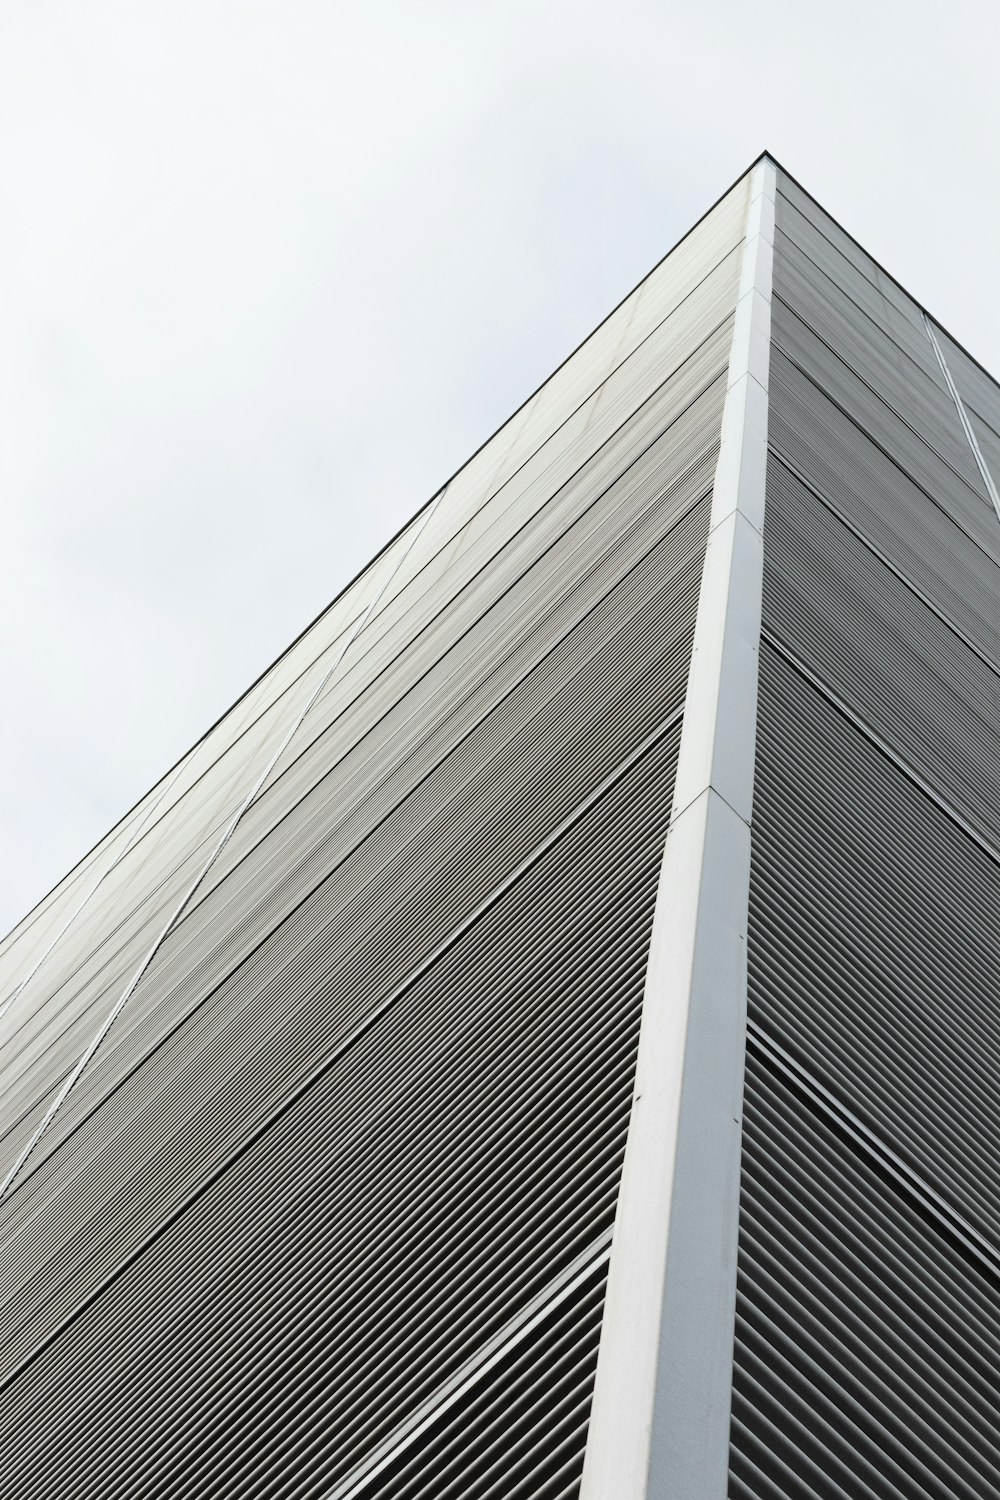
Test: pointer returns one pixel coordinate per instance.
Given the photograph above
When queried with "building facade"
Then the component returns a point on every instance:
(543, 1040)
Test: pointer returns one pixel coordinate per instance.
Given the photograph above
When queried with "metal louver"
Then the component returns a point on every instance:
(543, 1042)
(364, 1110)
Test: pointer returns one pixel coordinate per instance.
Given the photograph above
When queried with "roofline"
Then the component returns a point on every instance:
(764, 155)
(879, 266)
(372, 561)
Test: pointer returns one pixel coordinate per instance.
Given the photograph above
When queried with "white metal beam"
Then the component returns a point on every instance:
(660, 1420)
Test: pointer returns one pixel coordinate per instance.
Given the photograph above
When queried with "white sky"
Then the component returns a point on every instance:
(271, 269)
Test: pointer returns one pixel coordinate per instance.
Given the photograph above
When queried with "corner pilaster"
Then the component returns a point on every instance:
(661, 1413)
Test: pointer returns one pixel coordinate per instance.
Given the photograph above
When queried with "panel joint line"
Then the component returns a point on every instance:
(73, 1077)
(963, 417)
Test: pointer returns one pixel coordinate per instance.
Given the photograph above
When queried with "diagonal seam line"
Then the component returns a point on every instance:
(182, 906)
(681, 519)
(575, 475)
(494, 494)
(130, 843)
(910, 1181)
(475, 1369)
(920, 436)
(302, 1087)
(893, 460)
(967, 427)
(432, 501)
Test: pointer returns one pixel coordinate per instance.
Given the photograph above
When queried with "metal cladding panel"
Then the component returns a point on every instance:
(539, 579)
(803, 220)
(867, 1329)
(867, 1337)
(352, 944)
(845, 616)
(540, 718)
(875, 945)
(366, 1106)
(524, 1430)
(906, 380)
(977, 388)
(361, 1245)
(870, 494)
(913, 450)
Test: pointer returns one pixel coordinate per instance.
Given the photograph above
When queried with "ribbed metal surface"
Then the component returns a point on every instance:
(867, 1337)
(875, 945)
(904, 377)
(875, 644)
(978, 390)
(868, 1324)
(368, 1102)
(388, 921)
(433, 1177)
(388, 740)
(903, 525)
(523, 1430)
(912, 450)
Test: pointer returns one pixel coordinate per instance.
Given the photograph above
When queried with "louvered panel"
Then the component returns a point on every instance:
(962, 495)
(867, 1337)
(427, 688)
(870, 493)
(433, 1177)
(520, 1430)
(977, 388)
(599, 693)
(875, 944)
(876, 645)
(989, 446)
(198, 1096)
(917, 391)
(666, 430)
(793, 199)
(903, 325)
(679, 349)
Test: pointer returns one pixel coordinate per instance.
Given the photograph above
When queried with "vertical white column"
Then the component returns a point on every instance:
(660, 1420)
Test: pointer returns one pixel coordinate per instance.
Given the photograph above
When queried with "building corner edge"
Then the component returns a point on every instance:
(660, 1418)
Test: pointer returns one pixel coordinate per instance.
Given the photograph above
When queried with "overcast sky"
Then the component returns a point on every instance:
(270, 271)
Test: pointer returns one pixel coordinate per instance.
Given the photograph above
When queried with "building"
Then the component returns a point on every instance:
(318, 1071)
